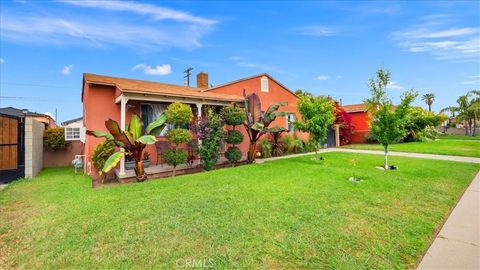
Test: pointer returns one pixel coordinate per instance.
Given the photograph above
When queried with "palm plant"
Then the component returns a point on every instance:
(429, 98)
(133, 141)
(467, 110)
(257, 123)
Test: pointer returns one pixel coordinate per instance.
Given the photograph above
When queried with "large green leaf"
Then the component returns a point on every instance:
(112, 161)
(100, 134)
(257, 126)
(147, 139)
(155, 127)
(135, 127)
(117, 134)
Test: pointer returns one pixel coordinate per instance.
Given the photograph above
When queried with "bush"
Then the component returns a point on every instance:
(309, 146)
(233, 154)
(210, 131)
(175, 157)
(298, 146)
(428, 134)
(265, 148)
(178, 114)
(178, 136)
(54, 139)
(101, 153)
(233, 137)
(233, 115)
(288, 144)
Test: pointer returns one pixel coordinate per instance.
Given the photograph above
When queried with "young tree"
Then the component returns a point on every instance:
(178, 115)
(317, 115)
(387, 124)
(429, 98)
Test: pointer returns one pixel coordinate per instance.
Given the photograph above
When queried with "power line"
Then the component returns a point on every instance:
(36, 85)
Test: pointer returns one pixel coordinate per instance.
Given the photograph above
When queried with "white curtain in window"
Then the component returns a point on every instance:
(157, 110)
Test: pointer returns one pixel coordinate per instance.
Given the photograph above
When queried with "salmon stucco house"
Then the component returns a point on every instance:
(106, 97)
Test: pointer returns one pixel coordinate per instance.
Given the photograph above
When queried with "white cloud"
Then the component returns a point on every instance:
(136, 25)
(395, 86)
(243, 62)
(322, 77)
(158, 70)
(2, 60)
(236, 58)
(67, 70)
(316, 30)
(472, 80)
(157, 12)
(442, 41)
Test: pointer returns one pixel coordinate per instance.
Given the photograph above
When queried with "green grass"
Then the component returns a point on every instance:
(291, 213)
(441, 147)
(460, 137)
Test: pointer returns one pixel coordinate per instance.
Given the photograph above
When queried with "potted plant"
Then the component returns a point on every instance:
(129, 163)
(146, 159)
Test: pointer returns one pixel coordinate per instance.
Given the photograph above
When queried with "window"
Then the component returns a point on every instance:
(264, 84)
(74, 134)
(149, 112)
(290, 120)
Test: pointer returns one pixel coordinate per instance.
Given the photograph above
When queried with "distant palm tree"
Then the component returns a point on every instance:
(429, 99)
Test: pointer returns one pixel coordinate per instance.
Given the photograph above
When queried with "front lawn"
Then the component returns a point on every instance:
(460, 137)
(291, 213)
(468, 148)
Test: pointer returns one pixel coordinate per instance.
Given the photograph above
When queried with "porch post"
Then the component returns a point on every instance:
(123, 109)
(199, 114)
(337, 135)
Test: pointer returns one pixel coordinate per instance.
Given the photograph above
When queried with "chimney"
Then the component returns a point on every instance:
(202, 80)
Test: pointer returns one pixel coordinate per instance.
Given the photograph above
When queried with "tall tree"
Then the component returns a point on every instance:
(317, 115)
(429, 98)
(467, 110)
(387, 124)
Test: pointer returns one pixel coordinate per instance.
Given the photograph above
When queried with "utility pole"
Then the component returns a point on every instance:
(187, 76)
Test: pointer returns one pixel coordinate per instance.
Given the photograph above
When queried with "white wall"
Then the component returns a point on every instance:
(33, 147)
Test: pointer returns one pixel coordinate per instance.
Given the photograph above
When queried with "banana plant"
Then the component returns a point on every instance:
(257, 123)
(132, 140)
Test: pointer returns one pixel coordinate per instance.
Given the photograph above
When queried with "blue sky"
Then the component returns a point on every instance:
(323, 47)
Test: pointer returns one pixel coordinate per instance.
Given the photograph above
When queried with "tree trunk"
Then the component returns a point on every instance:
(316, 152)
(140, 171)
(174, 170)
(252, 149)
(385, 158)
(429, 107)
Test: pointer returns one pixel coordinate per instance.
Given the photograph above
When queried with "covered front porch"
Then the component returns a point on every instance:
(138, 103)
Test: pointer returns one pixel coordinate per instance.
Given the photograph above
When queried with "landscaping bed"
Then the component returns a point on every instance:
(290, 213)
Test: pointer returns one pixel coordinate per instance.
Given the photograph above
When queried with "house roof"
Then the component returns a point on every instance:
(71, 121)
(355, 108)
(20, 112)
(156, 88)
(248, 78)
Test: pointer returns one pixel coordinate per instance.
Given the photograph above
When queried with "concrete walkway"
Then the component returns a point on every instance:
(457, 245)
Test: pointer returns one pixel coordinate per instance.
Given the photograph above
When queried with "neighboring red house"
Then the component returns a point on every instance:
(106, 97)
(359, 115)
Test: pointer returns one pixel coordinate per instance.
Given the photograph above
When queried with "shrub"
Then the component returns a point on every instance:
(54, 138)
(310, 146)
(428, 134)
(288, 144)
(233, 137)
(101, 153)
(233, 115)
(344, 120)
(233, 154)
(175, 157)
(265, 148)
(298, 145)
(178, 136)
(210, 131)
(178, 114)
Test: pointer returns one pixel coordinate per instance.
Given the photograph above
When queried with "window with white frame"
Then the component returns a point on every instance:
(264, 84)
(290, 120)
(74, 133)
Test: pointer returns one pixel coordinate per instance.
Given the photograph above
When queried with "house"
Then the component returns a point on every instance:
(40, 117)
(74, 123)
(360, 121)
(106, 97)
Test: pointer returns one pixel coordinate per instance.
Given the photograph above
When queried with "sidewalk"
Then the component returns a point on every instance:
(457, 245)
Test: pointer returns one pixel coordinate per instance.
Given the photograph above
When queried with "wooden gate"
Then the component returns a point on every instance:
(11, 148)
